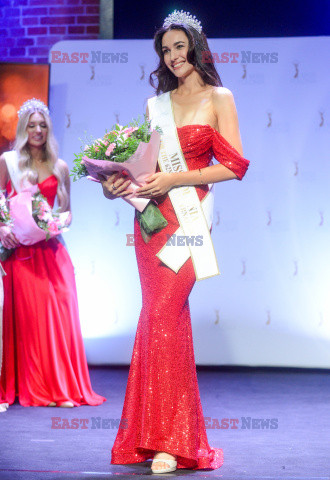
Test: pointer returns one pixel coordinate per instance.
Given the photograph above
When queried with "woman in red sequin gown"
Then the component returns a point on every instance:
(162, 416)
(44, 362)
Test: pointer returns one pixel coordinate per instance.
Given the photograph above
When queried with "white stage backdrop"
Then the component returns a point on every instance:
(271, 304)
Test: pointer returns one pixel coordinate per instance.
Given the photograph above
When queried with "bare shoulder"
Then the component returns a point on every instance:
(63, 166)
(222, 97)
(4, 174)
(3, 163)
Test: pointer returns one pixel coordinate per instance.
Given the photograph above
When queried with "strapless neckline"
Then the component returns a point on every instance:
(196, 125)
(50, 176)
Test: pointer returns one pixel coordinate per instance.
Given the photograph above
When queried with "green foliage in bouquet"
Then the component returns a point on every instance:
(117, 145)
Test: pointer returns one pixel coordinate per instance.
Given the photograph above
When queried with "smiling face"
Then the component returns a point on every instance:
(175, 45)
(37, 130)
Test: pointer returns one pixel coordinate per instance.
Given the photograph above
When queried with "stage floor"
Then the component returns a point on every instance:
(282, 419)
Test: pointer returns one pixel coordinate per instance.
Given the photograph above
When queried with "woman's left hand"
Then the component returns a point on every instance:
(157, 184)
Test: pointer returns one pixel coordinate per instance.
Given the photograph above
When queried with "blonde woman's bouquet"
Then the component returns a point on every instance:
(30, 218)
(5, 218)
(130, 150)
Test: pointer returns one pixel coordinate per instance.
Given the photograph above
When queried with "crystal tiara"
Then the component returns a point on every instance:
(32, 104)
(183, 17)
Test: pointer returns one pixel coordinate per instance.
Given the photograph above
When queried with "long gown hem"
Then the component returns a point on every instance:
(44, 403)
(212, 461)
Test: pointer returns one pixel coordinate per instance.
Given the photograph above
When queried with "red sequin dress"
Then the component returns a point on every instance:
(162, 409)
(43, 352)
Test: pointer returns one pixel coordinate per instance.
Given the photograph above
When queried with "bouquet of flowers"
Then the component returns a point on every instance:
(50, 221)
(4, 211)
(131, 150)
(31, 218)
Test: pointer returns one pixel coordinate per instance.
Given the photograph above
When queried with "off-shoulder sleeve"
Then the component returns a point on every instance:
(228, 156)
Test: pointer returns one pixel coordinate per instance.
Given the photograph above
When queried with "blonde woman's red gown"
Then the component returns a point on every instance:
(162, 409)
(43, 352)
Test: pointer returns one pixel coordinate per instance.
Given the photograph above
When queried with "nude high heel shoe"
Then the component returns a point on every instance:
(171, 465)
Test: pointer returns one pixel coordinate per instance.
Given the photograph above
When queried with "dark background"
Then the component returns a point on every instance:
(228, 18)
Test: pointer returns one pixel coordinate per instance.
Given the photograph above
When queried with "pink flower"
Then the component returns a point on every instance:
(118, 132)
(44, 216)
(110, 149)
(44, 207)
(99, 143)
(130, 130)
(58, 222)
(53, 228)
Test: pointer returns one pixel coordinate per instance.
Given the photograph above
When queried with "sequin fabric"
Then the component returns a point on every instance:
(162, 408)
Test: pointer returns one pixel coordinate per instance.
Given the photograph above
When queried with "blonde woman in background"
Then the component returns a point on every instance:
(44, 362)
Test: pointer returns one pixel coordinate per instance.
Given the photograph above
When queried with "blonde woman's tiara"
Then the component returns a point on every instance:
(32, 104)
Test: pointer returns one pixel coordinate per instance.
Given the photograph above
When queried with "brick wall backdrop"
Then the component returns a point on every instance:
(29, 28)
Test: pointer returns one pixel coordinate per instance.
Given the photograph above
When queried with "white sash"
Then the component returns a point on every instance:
(14, 171)
(188, 209)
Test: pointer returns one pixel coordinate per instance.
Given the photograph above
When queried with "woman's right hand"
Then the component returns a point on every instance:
(7, 238)
(115, 185)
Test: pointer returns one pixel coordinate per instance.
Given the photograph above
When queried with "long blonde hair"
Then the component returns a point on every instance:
(50, 154)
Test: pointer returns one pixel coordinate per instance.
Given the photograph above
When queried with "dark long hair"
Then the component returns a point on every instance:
(198, 55)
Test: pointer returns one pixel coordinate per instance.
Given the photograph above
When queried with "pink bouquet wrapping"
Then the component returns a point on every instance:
(33, 219)
(131, 150)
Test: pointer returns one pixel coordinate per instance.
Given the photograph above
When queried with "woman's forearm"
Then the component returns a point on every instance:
(69, 219)
(203, 176)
